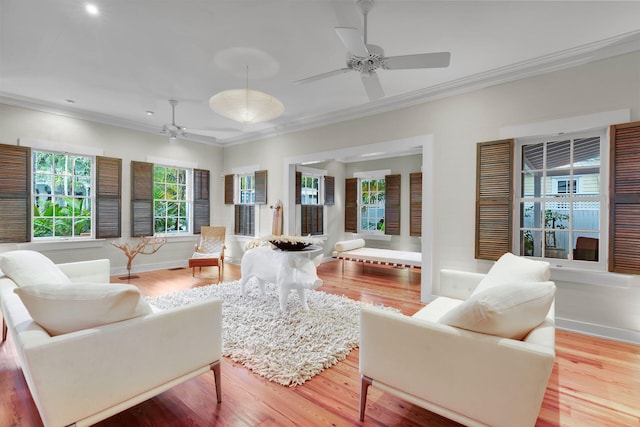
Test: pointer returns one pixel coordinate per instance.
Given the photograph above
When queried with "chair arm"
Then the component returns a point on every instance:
(493, 380)
(458, 284)
(101, 367)
(97, 271)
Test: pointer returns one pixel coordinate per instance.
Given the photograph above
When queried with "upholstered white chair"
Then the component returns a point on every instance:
(480, 354)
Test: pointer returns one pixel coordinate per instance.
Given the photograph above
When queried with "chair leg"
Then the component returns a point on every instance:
(4, 330)
(215, 367)
(365, 382)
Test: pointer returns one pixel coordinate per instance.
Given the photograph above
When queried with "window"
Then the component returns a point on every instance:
(310, 189)
(62, 196)
(247, 189)
(372, 201)
(560, 199)
(171, 206)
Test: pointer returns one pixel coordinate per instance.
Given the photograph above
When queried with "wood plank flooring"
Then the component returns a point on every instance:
(595, 382)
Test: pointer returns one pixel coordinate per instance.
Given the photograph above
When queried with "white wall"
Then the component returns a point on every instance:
(24, 124)
(456, 124)
(452, 126)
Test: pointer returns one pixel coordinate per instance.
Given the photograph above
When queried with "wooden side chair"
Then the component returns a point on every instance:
(209, 252)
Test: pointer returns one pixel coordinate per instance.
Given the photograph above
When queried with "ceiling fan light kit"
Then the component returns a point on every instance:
(173, 130)
(246, 105)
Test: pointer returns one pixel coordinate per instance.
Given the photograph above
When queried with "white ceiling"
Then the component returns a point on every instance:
(135, 55)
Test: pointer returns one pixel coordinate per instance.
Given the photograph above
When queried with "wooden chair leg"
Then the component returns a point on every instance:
(365, 382)
(4, 330)
(215, 367)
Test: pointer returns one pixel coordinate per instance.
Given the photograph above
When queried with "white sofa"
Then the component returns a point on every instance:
(82, 377)
(477, 379)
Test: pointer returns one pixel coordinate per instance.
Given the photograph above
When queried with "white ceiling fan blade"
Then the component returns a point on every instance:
(353, 41)
(422, 60)
(322, 76)
(372, 86)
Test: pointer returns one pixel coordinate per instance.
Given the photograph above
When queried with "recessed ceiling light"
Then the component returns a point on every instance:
(91, 9)
(70, 101)
(149, 113)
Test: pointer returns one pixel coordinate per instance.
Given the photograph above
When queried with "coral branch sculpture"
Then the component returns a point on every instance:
(147, 245)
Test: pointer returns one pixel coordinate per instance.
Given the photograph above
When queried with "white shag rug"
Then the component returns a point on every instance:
(286, 347)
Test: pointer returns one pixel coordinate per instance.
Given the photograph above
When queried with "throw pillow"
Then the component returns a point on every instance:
(31, 268)
(63, 309)
(509, 311)
(513, 269)
(347, 245)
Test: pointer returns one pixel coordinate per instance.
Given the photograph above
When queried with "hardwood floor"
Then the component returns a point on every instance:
(595, 382)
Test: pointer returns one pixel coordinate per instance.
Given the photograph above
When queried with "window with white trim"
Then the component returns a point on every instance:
(561, 202)
(372, 201)
(246, 189)
(62, 196)
(171, 201)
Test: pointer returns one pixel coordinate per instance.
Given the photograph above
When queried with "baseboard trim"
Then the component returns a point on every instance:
(585, 328)
(120, 271)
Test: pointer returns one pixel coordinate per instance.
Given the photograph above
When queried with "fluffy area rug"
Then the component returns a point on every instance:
(286, 347)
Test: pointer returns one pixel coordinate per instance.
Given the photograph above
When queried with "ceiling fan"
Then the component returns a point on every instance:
(173, 130)
(367, 58)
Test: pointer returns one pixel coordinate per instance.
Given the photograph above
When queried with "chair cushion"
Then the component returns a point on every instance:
(509, 311)
(202, 255)
(31, 268)
(61, 309)
(513, 269)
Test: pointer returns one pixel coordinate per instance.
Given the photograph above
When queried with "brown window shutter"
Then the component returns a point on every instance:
(392, 204)
(329, 191)
(228, 189)
(261, 187)
(244, 220)
(201, 199)
(298, 188)
(108, 197)
(141, 199)
(312, 219)
(15, 194)
(624, 199)
(494, 198)
(351, 205)
(415, 204)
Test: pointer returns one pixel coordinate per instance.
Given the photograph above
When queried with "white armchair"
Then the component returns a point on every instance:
(473, 378)
(88, 375)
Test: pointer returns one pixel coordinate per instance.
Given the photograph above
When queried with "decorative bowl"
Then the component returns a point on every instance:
(289, 246)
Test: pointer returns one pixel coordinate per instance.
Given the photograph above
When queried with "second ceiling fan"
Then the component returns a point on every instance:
(367, 58)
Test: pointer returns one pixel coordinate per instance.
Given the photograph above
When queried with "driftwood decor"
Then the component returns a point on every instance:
(146, 246)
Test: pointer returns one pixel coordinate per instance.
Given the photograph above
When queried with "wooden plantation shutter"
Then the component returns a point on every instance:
(392, 204)
(228, 189)
(329, 191)
(141, 199)
(244, 220)
(415, 204)
(494, 198)
(261, 187)
(15, 194)
(108, 197)
(312, 218)
(624, 199)
(201, 198)
(351, 205)
(298, 188)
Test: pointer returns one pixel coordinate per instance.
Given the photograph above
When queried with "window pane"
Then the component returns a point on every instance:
(159, 173)
(61, 164)
(587, 182)
(586, 152)
(43, 162)
(63, 227)
(558, 155)
(82, 166)
(532, 157)
(43, 227)
(531, 243)
(530, 215)
(586, 215)
(531, 184)
(586, 247)
(556, 244)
